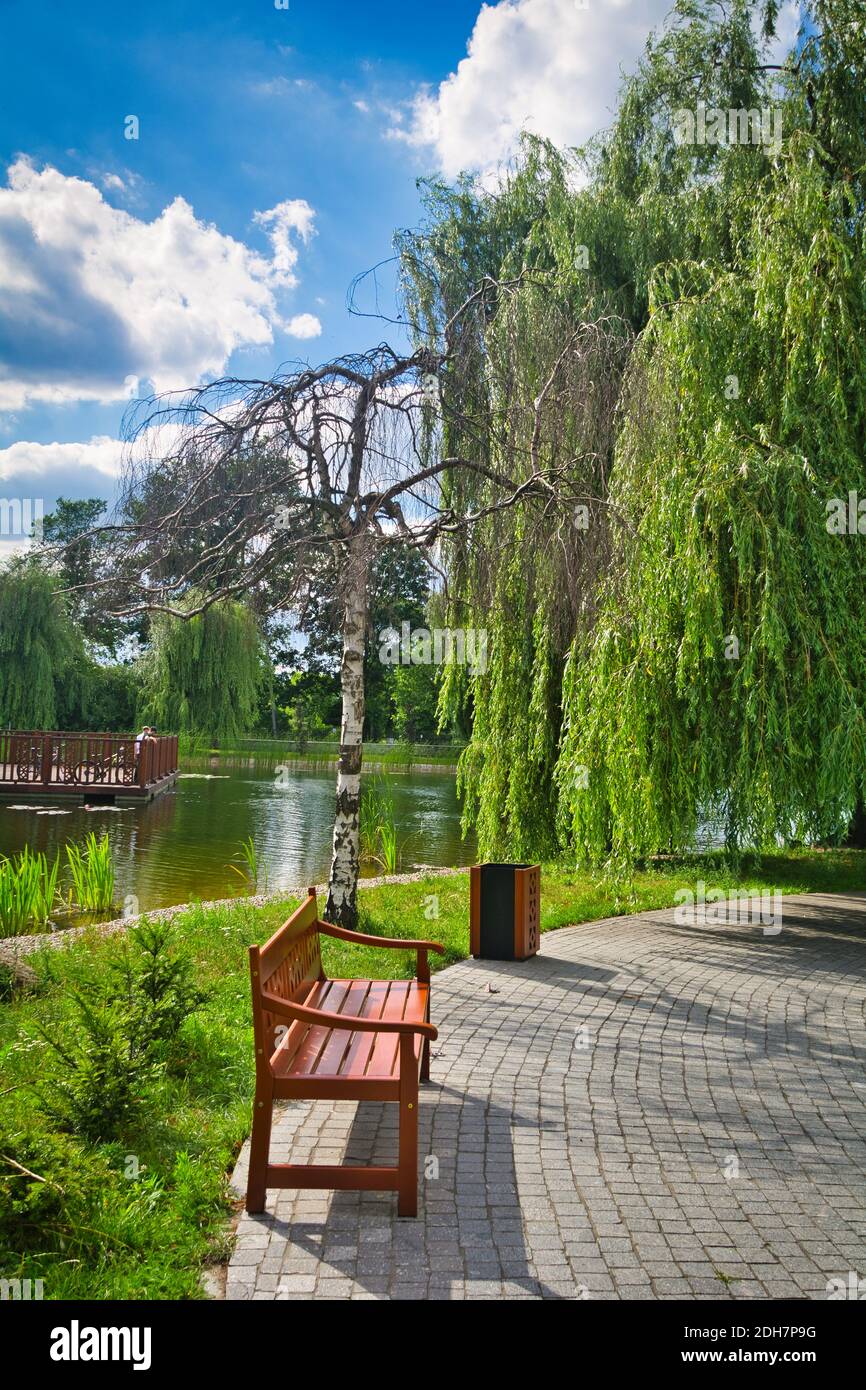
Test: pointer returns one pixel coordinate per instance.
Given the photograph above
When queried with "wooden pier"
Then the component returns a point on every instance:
(92, 768)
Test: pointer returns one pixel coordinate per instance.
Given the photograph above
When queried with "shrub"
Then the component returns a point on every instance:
(157, 983)
(93, 1093)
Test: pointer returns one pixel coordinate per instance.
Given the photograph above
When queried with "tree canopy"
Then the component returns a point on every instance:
(41, 651)
(204, 675)
(691, 646)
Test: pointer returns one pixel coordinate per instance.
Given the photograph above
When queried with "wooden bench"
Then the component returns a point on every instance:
(321, 1039)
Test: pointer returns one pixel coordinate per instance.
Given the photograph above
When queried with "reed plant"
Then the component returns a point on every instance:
(92, 871)
(378, 829)
(28, 892)
(250, 869)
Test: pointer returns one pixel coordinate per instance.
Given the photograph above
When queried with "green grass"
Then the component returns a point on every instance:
(137, 1215)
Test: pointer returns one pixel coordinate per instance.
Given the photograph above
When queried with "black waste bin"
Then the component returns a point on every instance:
(504, 911)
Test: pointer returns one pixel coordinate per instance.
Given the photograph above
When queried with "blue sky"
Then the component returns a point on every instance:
(277, 151)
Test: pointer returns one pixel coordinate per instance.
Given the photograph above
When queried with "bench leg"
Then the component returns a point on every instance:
(425, 1060)
(407, 1192)
(260, 1144)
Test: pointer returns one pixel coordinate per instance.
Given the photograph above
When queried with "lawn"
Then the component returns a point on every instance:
(127, 1066)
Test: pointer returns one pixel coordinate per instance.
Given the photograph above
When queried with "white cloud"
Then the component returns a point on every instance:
(282, 86)
(102, 454)
(91, 295)
(33, 476)
(304, 326)
(787, 27)
(292, 218)
(550, 66)
(544, 65)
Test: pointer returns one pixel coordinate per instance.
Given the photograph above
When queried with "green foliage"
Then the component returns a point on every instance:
(414, 700)
(312, 700)
(307, 682)
(125, 1026)
(204, 674)
(95, 1090)
(112, 696)
(28, 892)
(92, 871)
(78, 566)
(614, 716)
(156, 980)
(378, 827)
(726, 500)
(41, 652)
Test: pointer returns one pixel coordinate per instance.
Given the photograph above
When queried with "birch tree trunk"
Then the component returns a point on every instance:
(342, 907)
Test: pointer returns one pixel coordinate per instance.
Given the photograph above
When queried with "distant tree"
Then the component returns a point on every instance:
(42, 658)
(204, 675)
(414, 700)
(73, 548)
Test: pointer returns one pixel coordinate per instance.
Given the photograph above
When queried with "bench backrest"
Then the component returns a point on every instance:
(288, 966)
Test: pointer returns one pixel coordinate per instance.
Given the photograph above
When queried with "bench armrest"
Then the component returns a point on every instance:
(399, 943)
(302, 1014)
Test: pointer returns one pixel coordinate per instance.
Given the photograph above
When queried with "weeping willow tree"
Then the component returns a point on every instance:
(727, 670)
(204, 674)
(41, 652)
(697, 650)
(528, 578)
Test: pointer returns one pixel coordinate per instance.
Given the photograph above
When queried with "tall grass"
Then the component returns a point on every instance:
(249, 869)
(378, 828)
(28, 891)
(92, 871)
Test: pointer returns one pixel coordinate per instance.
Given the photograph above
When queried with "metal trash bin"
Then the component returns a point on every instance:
(504, 911)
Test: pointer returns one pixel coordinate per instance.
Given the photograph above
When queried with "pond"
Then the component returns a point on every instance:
(179, 846)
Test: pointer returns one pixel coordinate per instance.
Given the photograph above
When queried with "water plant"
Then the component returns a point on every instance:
(249, 868)
(379, 844)
(92, 871)
(28, 890)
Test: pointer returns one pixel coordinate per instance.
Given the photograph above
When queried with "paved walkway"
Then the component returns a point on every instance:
(645, 1110)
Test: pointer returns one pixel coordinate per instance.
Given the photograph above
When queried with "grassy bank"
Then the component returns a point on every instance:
(127, 1066)
(324, 752)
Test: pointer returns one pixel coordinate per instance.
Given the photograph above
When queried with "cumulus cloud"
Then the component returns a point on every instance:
(550, 66)
(91, 296)
(304, 326)
(787, 29)
(292, 218)
(102, 455)
(33, 476)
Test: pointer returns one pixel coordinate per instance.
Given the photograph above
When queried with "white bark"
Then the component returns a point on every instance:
(343, 883)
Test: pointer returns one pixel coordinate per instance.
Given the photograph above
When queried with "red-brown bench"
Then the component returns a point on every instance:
(321, 1039)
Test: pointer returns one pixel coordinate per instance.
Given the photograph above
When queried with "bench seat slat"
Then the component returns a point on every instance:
(384, 1054)
(333, 1053)
(315, 1038)
(297, 1033)
(365, 1001)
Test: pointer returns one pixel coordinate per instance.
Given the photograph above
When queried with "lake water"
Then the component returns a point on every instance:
(178, 847)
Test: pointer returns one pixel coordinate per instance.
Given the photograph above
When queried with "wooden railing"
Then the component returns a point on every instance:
(53, 759)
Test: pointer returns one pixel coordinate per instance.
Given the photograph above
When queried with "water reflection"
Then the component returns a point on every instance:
(180, 845)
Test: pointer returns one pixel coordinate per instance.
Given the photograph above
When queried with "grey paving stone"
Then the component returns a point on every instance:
(606, 1172)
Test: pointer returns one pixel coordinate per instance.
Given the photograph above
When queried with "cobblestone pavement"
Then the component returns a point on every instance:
(644, 1110)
